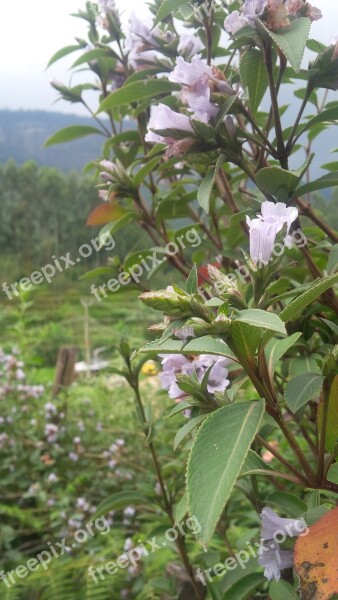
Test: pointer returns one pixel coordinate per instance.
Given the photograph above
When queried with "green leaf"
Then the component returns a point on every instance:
(167, 8)
(192, 281)
(262, 319)
(325, 116)
(67, 134)
(244, 588)
(332, 474)
(93, 54)
(332, 326)
(332, 264)
(292, 41)
(202, 345)
(271, 179)
(275, 349)
(120, 500)
(245, 339)
(63, 52)
(224, 110)
(303, 364)
(291, 504)
(253, 463)
(296, 307)
(134, 92)
(327, 181)
(303, 388)
(145, 170)
(205, 190)
(216, 459)
(332, 418)
(114, 227)
(281, 590)
(187, 428)
(180, 509)
(254, 77)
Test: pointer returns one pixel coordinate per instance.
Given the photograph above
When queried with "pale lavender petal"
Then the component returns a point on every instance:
(274, 560)
(235, 22)
(271, 524)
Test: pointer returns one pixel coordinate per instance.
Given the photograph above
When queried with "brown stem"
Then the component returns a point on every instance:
(280, 458)
(227, 195)
(310, 475)
(282, 155)
(180, 542)
(307, 211)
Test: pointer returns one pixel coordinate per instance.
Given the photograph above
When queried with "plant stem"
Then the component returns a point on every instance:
(310, 475)
(298, 118)
(280, 458)
(307, 211)
(227, 196)
(180, 542)
(322, 441)
(282, 155)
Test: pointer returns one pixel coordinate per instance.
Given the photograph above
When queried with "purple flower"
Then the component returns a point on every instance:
(177, 363)
(171, 365)
(264, 229)
(107, 6)
(271, 524)
(274, 560)
(140, 38)
(191, 74)
(271, 557)
(217, 381)
(189, 45)
(234, 22)
(253, 9)
(162, 117)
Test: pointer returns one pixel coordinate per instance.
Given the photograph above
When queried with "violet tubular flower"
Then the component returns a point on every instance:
(274, 531)
(264, 229)
(162, 117)
(173, 364)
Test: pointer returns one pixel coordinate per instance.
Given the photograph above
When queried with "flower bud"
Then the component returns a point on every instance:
(222, 323)
(330, 363)
(224, 285)
(323, 71)
(168, 302)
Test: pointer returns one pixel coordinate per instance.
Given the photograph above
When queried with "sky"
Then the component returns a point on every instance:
(31, 31)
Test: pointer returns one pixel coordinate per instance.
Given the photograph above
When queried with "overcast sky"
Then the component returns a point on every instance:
(32, 30)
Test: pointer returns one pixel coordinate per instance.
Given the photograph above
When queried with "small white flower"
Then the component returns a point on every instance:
(264, 229)
(162, 117)
(189, 44)
(129, 512)
(234, 22)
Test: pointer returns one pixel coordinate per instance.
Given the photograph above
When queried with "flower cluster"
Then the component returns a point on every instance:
(275, 14)
(144, 42)
(12, 377)
(198, 81)
(173, 364)
(264, 229)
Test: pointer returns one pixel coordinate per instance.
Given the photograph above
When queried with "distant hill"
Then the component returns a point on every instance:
(23, 133)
